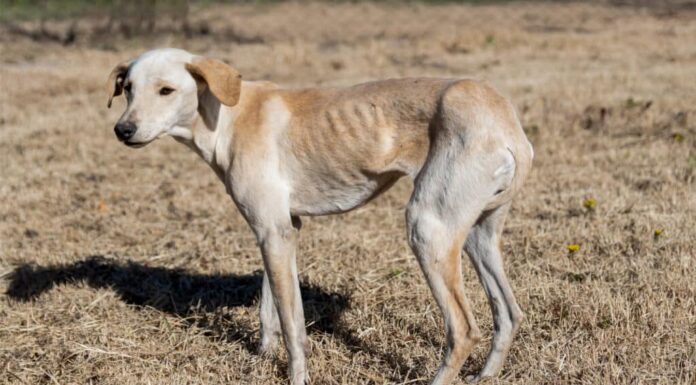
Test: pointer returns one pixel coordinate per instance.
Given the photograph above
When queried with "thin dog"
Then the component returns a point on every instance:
(284, 153)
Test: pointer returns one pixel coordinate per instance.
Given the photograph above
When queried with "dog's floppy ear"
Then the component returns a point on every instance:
(116, 77)
(223, 81)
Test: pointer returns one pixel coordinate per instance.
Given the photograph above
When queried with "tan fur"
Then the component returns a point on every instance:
(223, 80)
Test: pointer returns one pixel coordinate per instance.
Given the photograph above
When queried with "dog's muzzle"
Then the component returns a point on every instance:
(125, 130)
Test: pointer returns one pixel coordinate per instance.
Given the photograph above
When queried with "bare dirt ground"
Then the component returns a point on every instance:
(122, 266)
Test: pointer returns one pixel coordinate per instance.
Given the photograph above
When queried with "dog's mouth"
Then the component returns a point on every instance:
(136, 144)
(141, 143)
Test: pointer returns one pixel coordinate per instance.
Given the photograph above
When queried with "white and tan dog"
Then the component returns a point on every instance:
(283, 154)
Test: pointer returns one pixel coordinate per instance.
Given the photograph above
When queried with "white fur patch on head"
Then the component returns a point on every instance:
(156, 114)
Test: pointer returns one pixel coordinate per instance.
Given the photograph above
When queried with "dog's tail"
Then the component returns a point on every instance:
(522, 155)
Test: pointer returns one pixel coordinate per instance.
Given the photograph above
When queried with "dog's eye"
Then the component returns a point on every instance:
(127, 87)
(166, 90)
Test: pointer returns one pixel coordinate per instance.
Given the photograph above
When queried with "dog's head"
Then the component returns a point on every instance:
(163, 88)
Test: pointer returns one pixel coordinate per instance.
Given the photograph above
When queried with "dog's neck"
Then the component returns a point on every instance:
(211, 126)
(209, 109)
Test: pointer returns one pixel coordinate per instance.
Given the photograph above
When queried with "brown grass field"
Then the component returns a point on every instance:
(122, 266)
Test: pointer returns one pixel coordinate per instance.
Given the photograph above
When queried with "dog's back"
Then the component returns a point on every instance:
(361, 139)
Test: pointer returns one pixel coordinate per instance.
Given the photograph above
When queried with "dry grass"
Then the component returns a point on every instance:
(123, 266)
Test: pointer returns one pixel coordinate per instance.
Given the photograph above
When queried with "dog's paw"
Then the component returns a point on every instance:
(474, 378)
(299, 379)
(267, 347)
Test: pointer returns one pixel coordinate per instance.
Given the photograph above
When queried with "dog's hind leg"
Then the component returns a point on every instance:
(438, 251)
(450, 194)
(469, 170)
(483, 248)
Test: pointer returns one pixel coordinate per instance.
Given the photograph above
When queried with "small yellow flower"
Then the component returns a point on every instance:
(590, 203)
(658, 232)
(678, 137)
(573, 248)
(102, 207)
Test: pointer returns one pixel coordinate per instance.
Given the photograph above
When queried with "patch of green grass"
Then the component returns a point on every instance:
(63, 9)
(395, 273)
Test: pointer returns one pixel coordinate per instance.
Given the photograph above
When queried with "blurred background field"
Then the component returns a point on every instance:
(122, 266)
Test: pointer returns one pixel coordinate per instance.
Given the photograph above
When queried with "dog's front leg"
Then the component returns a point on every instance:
(278, 240)
(268, 315)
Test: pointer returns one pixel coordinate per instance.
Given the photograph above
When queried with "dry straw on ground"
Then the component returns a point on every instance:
(121, 266)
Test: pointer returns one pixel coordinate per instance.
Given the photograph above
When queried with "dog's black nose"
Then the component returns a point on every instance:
(125, 130)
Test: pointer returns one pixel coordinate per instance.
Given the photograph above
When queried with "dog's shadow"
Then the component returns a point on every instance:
(188, 295)
(199, 299)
